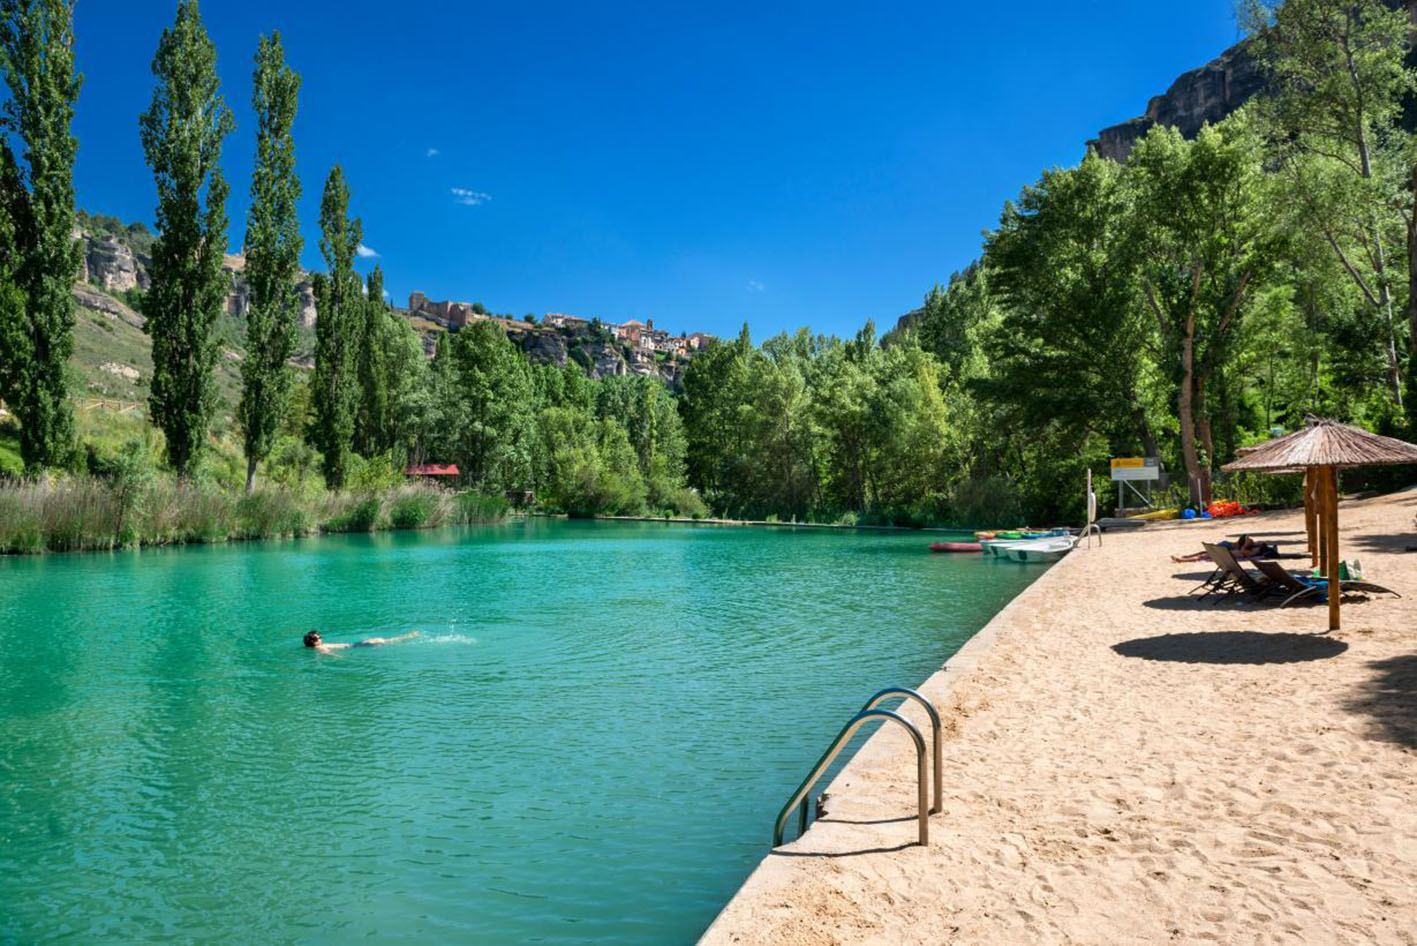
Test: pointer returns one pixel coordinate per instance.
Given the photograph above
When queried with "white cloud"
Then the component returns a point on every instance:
(364, 252)
(755, 286)
(469, 197)
(432, 153)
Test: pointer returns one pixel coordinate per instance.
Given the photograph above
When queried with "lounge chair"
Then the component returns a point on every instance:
(1296, 586)
(1219, 580)
(1237, 578)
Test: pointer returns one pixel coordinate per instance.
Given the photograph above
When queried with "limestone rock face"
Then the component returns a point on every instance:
(642, 363)
(109, 262)
(90, 298)
(541, 346)
(306, 289)
(1202, 95)
(605, 360)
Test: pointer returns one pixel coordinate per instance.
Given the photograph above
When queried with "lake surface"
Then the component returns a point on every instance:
(589, 744)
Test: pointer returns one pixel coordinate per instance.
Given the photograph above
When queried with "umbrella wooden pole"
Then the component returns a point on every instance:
(1335, 591)
(1311, 524)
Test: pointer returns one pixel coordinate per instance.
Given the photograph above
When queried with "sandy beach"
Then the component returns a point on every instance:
(1124, 765)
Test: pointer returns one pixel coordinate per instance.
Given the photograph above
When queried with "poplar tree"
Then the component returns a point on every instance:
(338, 304)
(182, 133)
(372, 418)
(38, 253)
(273, 245)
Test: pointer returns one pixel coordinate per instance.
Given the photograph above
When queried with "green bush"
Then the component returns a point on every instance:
(358, 514)
(412, 510)
(377, 473)
(270, 514)
(687, 502)
(985, 502)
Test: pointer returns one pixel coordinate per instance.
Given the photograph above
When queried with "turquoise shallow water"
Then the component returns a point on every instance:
(588, 745)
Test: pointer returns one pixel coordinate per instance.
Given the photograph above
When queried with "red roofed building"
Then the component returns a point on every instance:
(432, 469)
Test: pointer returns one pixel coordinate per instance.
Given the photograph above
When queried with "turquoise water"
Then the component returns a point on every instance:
(589, 744)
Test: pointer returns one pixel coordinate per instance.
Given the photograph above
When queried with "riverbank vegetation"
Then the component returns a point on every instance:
(69, 513)
(1180, 305)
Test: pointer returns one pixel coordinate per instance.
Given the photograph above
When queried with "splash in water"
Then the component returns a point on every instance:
(450, 638)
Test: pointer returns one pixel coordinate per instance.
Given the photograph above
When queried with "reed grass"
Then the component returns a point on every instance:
(78, 513)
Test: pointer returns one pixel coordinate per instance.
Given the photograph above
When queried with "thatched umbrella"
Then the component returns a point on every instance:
(1321, 449)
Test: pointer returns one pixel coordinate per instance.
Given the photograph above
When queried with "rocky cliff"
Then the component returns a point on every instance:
(1202, 95)
(118, 263)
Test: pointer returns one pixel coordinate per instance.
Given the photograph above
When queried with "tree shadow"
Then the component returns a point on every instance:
(1390, 699)
(1382, 543)
(1233, 647)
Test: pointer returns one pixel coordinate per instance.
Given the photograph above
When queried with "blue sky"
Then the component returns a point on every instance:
(789, 164)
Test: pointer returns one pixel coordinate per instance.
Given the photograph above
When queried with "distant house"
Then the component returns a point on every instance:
(700, 340)
(561, 320)
(629, 333)
(433, 471)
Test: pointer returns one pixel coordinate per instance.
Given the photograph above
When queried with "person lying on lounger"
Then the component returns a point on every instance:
(1246, 547)
(312, 639)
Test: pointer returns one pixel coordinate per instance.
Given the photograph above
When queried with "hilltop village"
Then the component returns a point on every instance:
(113, 277)
(602, 348)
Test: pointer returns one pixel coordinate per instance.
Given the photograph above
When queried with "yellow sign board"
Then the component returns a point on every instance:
(1136, 468)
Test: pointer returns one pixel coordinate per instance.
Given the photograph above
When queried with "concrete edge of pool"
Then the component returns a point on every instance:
(880, 748)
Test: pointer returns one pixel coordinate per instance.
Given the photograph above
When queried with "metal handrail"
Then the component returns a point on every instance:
(935, 740)
(857, 721)
(935, 737)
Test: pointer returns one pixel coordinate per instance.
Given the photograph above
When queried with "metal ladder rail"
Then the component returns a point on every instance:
(935, 739)
(840, 741)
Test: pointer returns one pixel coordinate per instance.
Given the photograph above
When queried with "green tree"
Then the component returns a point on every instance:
(38, 254)
(339, 305)
(1070, 349)
(1338, 83)
(1204, 226)
(489, 423)
(372, 423)
(273, 245)
(182, 133)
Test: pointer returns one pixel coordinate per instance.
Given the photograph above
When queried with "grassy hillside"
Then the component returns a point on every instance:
(111, 370)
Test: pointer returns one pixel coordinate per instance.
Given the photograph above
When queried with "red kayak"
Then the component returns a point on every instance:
(956, 547)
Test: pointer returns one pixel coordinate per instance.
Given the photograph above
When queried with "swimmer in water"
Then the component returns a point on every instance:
(312, 639)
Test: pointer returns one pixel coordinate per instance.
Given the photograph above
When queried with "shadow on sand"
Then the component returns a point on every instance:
(867, 850)
(1233, 647)
(1196, 603)
(1390, 699)
(1382, 543)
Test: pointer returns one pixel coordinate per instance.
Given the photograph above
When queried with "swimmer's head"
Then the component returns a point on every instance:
(312, 639)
